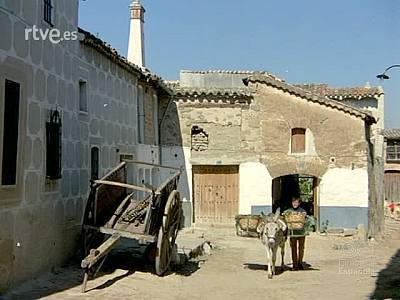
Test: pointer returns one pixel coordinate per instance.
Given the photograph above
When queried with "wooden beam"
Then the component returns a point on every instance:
(168, 180)
(113, 170)
(96, 254)
(124, 185)
(142, 238)
(136, 236)
(119, 211)
(121, 165)
(149, 164)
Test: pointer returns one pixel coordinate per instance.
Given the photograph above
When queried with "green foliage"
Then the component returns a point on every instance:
(306, 188)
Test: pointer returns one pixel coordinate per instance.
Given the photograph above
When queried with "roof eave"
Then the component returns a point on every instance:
(311, 97)
(99, 45)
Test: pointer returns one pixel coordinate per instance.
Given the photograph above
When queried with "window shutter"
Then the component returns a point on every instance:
(298, 140)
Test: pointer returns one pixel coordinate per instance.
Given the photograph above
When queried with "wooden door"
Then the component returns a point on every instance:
(392, 186)
(216, 194)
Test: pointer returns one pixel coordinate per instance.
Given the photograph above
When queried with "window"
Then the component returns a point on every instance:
(298, 142)
(83, 101)
(10, 136)
(53, 146)
(48, 10)
(124, 156)
(393, 150)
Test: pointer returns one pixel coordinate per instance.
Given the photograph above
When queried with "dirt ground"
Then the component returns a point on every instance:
(337, 268)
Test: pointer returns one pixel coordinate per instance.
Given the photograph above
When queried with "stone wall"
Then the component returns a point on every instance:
(257, 137)
(338, 138)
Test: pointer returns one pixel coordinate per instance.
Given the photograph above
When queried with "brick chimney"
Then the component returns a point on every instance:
(136, 35)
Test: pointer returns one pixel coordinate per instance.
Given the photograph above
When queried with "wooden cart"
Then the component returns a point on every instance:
(113, 211)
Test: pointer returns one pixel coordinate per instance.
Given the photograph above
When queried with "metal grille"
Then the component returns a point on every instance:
(48, 9)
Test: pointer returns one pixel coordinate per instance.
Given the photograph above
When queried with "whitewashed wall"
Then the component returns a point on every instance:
(344, 187)
(344, 198)
(255, 186)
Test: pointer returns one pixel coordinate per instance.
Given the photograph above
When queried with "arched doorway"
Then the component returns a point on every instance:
(305, 187)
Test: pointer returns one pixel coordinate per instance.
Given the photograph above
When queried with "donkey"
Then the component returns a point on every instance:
(273, 233)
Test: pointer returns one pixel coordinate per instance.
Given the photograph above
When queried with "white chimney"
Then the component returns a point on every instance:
(136, 35)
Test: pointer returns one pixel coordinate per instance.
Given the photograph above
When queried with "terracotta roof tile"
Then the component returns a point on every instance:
(341, 93)
(391, 133)
(212, 91)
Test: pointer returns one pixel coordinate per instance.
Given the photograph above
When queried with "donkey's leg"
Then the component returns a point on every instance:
(274, 258)
(283, 254)
(269, 260)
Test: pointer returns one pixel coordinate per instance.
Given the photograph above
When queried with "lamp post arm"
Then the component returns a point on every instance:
(391, 67)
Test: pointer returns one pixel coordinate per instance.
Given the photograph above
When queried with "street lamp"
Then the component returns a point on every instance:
(384, 76)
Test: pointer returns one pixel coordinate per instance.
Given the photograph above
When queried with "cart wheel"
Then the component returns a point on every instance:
(168, 232)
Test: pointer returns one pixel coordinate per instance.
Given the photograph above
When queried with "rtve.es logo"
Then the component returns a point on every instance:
(54, 35)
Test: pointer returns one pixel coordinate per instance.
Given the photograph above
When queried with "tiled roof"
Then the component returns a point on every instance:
(391, 133)
(341, 93)
(212, 92)
(310, 96)
(107, 50)
(244, 72)
(172, 84)
(196, 91)
(222, 72)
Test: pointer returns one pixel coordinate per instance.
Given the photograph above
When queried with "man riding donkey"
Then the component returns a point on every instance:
(298, 223)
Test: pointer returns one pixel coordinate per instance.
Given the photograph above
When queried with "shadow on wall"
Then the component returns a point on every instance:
(387, 285)
(173, 154)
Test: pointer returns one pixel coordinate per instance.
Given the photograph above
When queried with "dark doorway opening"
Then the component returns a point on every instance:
(301, 186)
(94, 163)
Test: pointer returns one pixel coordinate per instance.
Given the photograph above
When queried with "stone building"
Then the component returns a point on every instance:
(108, 108)
(246, 140)
(392, 164)
(249, 140)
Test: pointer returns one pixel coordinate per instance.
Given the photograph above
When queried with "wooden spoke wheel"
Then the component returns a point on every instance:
(168, 233)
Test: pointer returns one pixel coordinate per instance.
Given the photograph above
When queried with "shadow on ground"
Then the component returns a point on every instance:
(387, 285)
(126, 256)
(278, 269)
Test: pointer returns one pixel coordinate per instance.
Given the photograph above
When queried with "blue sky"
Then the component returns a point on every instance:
(340, 42)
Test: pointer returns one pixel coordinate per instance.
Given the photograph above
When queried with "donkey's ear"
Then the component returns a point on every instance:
(260, 227)
(282, 225)
(277, 213)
